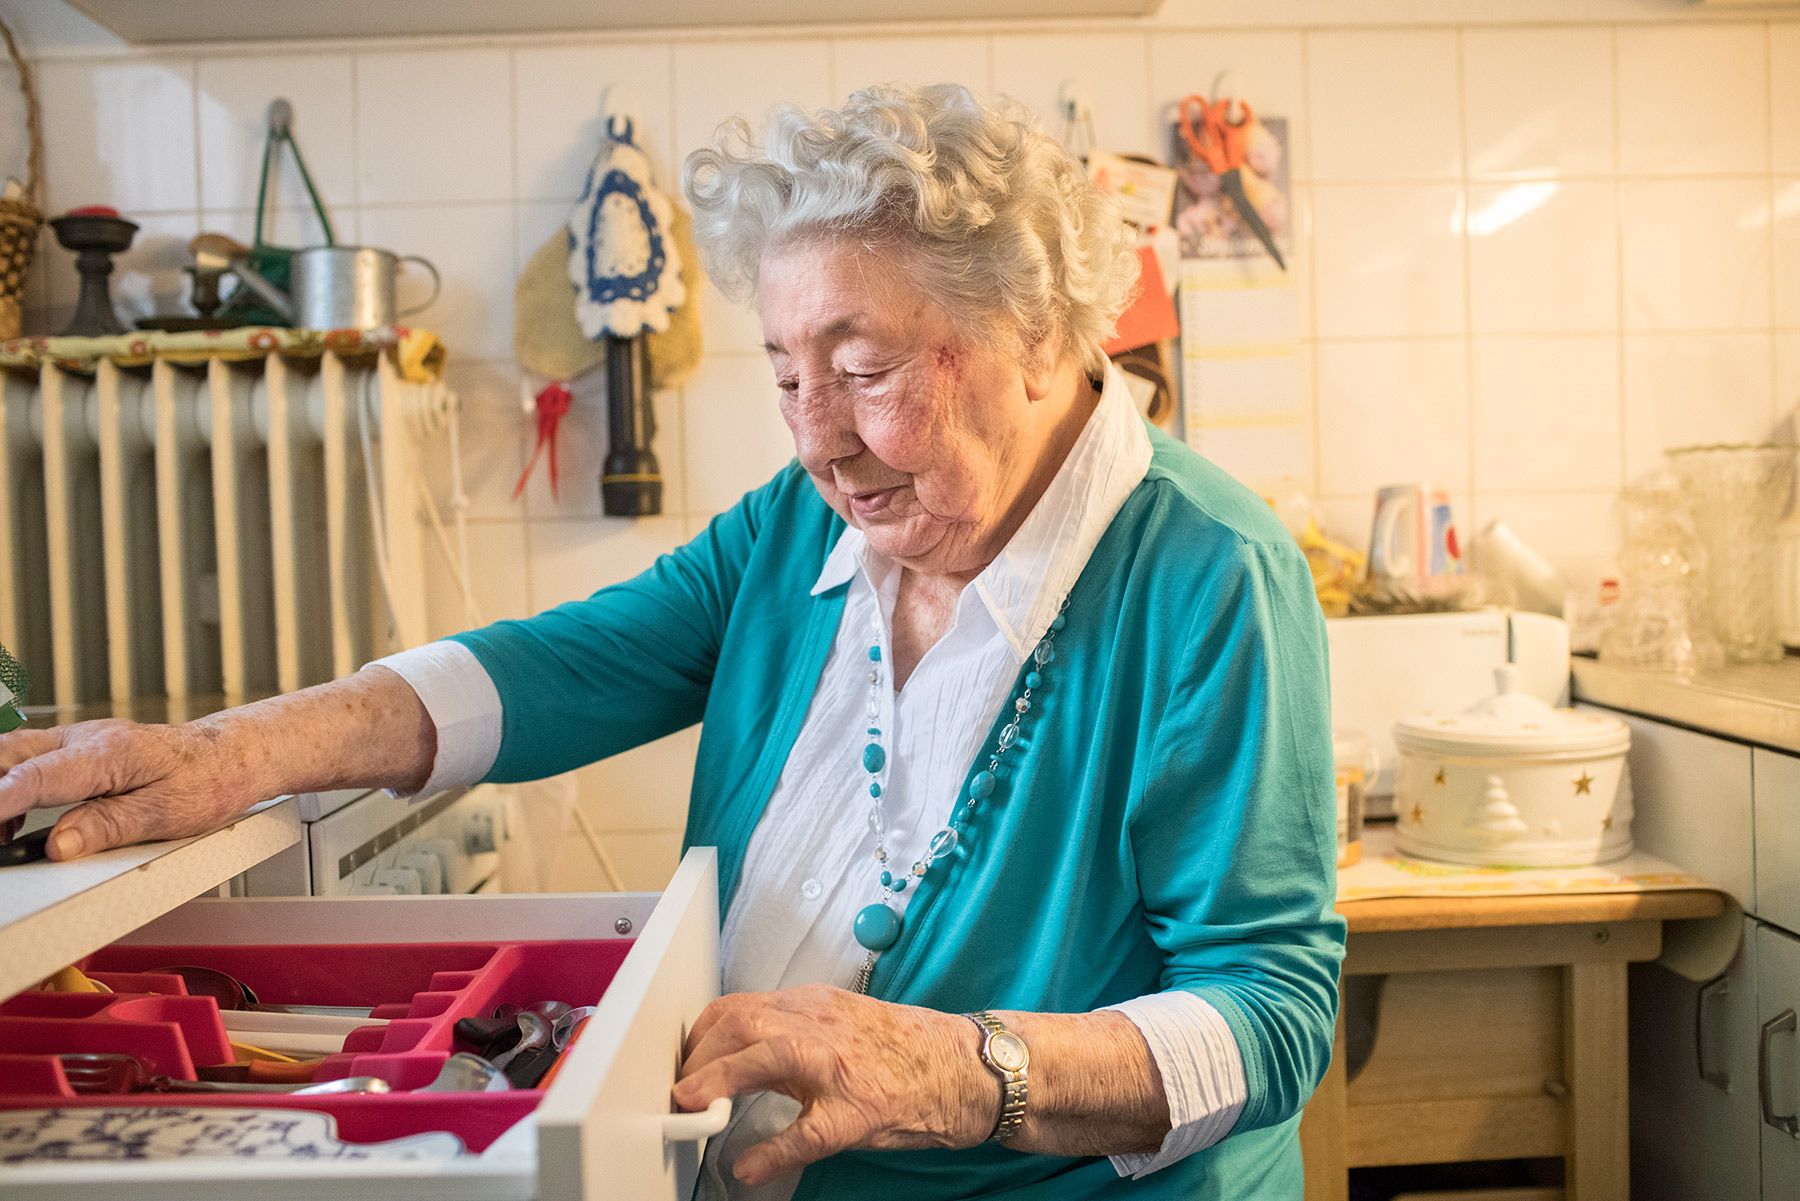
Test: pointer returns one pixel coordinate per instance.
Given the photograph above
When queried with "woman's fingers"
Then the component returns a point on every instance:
(776, 1063)
(812, 1136)
(56, 777)
(21, 745)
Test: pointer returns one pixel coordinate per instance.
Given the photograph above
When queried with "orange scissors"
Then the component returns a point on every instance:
(1219, 143)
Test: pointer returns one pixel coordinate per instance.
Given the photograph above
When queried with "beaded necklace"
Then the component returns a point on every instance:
(877, 926)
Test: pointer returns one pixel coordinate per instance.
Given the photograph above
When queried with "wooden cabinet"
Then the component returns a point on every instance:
(1777, 781)
(1693, 796)
(1778, 1051)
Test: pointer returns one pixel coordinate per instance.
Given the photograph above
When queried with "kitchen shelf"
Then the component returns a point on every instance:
(52, 914)
(1751, 702)
(233, 20)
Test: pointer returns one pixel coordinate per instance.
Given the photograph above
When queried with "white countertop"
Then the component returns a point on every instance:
(1751, 702)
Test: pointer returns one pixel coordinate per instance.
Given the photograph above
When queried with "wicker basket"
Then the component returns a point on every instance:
(19, 219)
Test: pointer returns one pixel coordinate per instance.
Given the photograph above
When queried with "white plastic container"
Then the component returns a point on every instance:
(1512, 782)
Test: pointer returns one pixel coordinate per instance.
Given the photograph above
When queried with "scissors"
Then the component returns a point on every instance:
(1219, 143)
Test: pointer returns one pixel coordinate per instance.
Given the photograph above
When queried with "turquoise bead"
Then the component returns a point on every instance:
(875, 730)
(875, 654)
(873, 757)
(874, 789)
(1059, 622)
(1033, 679)
(901, 883)
(982, 786)
(887, 879)
(877, 927)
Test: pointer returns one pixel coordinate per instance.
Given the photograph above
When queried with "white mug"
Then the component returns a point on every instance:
(1412, 540)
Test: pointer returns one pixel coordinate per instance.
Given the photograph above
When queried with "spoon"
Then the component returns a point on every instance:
(114, 1072)
(466, 1073)
(232, 993)
(531, 1070)
(534, 1032)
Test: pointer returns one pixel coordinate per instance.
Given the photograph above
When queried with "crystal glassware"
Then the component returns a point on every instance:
(1662, 621)
(1739, 495)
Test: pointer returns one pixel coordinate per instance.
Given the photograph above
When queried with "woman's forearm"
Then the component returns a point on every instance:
(369, 729)
(1094, 1088)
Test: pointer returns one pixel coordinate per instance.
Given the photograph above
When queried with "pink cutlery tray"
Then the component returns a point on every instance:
(422, 989)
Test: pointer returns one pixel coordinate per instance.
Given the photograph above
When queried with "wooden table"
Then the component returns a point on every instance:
(1501, 1035)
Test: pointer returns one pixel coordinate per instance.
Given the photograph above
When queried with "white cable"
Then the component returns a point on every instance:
(459, 509)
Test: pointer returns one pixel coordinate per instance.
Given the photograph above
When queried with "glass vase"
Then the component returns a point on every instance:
(1739, 495)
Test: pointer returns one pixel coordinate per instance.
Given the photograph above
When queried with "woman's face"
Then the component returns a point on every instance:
(918, 432)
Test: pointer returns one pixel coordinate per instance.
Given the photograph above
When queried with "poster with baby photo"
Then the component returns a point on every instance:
(1208, 223)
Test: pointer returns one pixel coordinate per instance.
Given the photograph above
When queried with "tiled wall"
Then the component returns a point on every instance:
(1531, 256)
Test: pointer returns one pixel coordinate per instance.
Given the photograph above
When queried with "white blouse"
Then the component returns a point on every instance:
(810, 865)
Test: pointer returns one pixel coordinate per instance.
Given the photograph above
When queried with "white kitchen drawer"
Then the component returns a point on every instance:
(1692, 793)
(1777, 779)
(603, 1130)
(1778, 1002)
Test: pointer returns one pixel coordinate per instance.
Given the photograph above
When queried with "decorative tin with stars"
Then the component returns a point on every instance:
(1513, 782)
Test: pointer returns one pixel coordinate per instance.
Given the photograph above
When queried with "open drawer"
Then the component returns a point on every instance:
(601, 1130)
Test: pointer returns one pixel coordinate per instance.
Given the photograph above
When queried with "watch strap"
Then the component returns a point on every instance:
(1014, 1087)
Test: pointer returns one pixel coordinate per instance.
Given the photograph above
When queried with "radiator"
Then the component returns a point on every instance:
(188, 531)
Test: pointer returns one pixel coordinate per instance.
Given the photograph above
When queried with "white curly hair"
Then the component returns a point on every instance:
(1001, 219)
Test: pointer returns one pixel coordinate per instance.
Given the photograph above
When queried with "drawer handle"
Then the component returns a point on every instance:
(687, 1127)
(1713, 988)
(1781, 1023)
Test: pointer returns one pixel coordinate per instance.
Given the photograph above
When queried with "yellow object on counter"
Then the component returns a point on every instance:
(244, 1052)
(1335, 568)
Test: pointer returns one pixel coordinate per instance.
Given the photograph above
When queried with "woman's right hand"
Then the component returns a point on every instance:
(130, 782)
(138, 782)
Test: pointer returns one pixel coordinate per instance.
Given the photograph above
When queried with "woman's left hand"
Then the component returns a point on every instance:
(867, 1073)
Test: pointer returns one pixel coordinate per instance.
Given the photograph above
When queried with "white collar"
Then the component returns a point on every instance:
(1028, 579)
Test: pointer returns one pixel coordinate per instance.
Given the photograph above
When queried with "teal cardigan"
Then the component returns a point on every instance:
(1168, 820)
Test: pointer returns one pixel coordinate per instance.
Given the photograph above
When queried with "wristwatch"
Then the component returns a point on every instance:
(1005, 1055)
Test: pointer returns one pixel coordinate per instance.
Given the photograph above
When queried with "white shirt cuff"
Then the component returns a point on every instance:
(1202, 1074)
(463, 704)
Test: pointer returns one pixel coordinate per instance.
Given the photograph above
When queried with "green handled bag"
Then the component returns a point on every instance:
(273, 263)
(13, 686)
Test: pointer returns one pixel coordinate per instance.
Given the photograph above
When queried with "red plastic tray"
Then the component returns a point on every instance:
(423, 989)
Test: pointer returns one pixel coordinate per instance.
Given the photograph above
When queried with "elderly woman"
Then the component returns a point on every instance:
(1016, 744)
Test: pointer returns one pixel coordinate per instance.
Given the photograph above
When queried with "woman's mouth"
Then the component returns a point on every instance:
(872, 503)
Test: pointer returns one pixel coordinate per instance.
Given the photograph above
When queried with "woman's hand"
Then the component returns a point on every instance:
(867, 1073)
(141, 782)
(145, 781)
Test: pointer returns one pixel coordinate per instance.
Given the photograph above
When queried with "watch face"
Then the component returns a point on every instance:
(1007, 1050)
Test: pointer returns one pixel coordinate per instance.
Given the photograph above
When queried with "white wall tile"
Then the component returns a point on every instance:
(1786, 213)
(1539, 101)
(1682, 390)
(1787, 374)
(1543, 256)
(119, 133)
(495, 436)
(645, 788)
(745, 78)
(1578, 532)
(1268, 64)
(1392, 411)
(1784, 95)
(557, 127)
(499, 552)
(147, 280)
(1696, 253)
(234, 96)
(859, 62)
(574, 558)
(471, 245)
(1693, 98)
(1111, 67)
(645, 858)
(433, 125)
(1385, 105)
(1388, 259)
(1546, 413)
(736, 439)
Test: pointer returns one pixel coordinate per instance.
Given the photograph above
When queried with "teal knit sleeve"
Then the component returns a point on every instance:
(629, 664)
(1235, 837)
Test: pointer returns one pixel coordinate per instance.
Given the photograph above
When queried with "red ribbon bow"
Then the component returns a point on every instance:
(552, 406)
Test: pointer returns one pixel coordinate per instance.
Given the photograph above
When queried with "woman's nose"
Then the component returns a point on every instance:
(822, 429)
